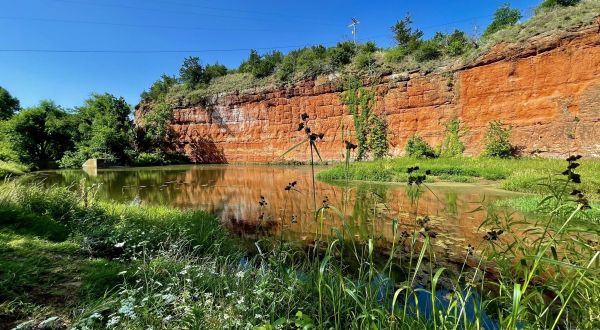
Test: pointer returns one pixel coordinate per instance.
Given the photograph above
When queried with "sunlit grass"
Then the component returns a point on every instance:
(521, 174)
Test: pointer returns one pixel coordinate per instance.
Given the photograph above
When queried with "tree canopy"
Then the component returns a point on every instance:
(504, 17)
(8, 104)
(40, 135)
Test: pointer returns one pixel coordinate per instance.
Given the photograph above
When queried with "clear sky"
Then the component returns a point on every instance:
(222, 31)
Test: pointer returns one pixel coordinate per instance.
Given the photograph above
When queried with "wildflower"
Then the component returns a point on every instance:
(493, 235)
(423, 221)
(470, 250)
(113, 321)
(412, 169)
(290, 186)
(262, 202)
(326, 202)
(350, 146)
(120, 245)
(240, 274)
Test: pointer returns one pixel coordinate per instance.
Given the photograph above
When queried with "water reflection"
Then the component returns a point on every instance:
(233, 194)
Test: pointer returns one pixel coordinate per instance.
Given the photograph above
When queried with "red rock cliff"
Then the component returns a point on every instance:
(548, 90)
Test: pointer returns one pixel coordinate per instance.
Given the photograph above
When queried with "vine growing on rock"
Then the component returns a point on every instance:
(370, 129)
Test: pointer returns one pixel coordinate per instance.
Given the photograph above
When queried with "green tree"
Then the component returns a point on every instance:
(404, 34)
(105, 128)
(497, 141)
(8, 104)
(42, 134)
(504, 17)
(191, 72)
(213, 71)
(156, 124)
(159, 88)
(261, 66)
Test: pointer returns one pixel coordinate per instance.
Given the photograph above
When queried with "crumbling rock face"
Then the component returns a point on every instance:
(548, 90)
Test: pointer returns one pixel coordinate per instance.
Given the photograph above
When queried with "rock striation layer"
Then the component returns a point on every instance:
(547, 89)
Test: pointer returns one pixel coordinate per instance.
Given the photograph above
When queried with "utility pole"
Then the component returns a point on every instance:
(353, 25)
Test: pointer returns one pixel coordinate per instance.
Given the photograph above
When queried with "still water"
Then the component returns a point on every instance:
(233, 193)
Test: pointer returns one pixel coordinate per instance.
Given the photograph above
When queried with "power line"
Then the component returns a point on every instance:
(148, 51)
(175, 27)
(277, 17)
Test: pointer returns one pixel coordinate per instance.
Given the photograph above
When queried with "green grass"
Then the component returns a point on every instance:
(536, 206)
(10, 169)
(87, 264)
(520, 174)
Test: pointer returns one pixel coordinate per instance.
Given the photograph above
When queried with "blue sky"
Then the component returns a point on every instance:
(173, 25)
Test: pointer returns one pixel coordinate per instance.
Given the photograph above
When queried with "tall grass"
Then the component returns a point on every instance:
(521, 174)
(8, 169)
(180, 269)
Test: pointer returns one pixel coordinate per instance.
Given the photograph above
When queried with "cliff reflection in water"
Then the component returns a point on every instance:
(233, 193)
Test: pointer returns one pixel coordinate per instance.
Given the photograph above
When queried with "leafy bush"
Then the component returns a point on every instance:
(452, 145)
(159, 88)
(497, 141)
(378, 142)
(419, 148)
(428, 50)
(504, 17)
(555, 3)
(156, 122)
(73, 159)
(341, 54)
(395, 54)
(158, 159)
(458, 43)
(261, 66)
(364, 61)
(213, 71)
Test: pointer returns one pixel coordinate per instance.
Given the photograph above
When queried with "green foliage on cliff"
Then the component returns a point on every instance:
(504, 17)
(417, 147)
(452, 146)
(411, 52)
(497, 141)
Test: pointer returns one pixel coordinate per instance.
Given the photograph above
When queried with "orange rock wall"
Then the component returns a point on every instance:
(548, 90)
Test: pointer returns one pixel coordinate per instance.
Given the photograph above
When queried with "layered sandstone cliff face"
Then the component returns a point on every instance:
(548, 89)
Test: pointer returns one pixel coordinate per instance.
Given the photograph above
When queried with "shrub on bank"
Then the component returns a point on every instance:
(497, 141)
(418, 148)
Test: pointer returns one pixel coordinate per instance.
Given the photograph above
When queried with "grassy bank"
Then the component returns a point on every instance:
(522, 174)
(69, 261)
(8, 169)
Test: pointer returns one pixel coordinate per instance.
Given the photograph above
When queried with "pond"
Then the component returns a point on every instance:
(233, 193)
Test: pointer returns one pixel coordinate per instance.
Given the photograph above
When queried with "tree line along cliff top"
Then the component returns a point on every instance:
(412, 52)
